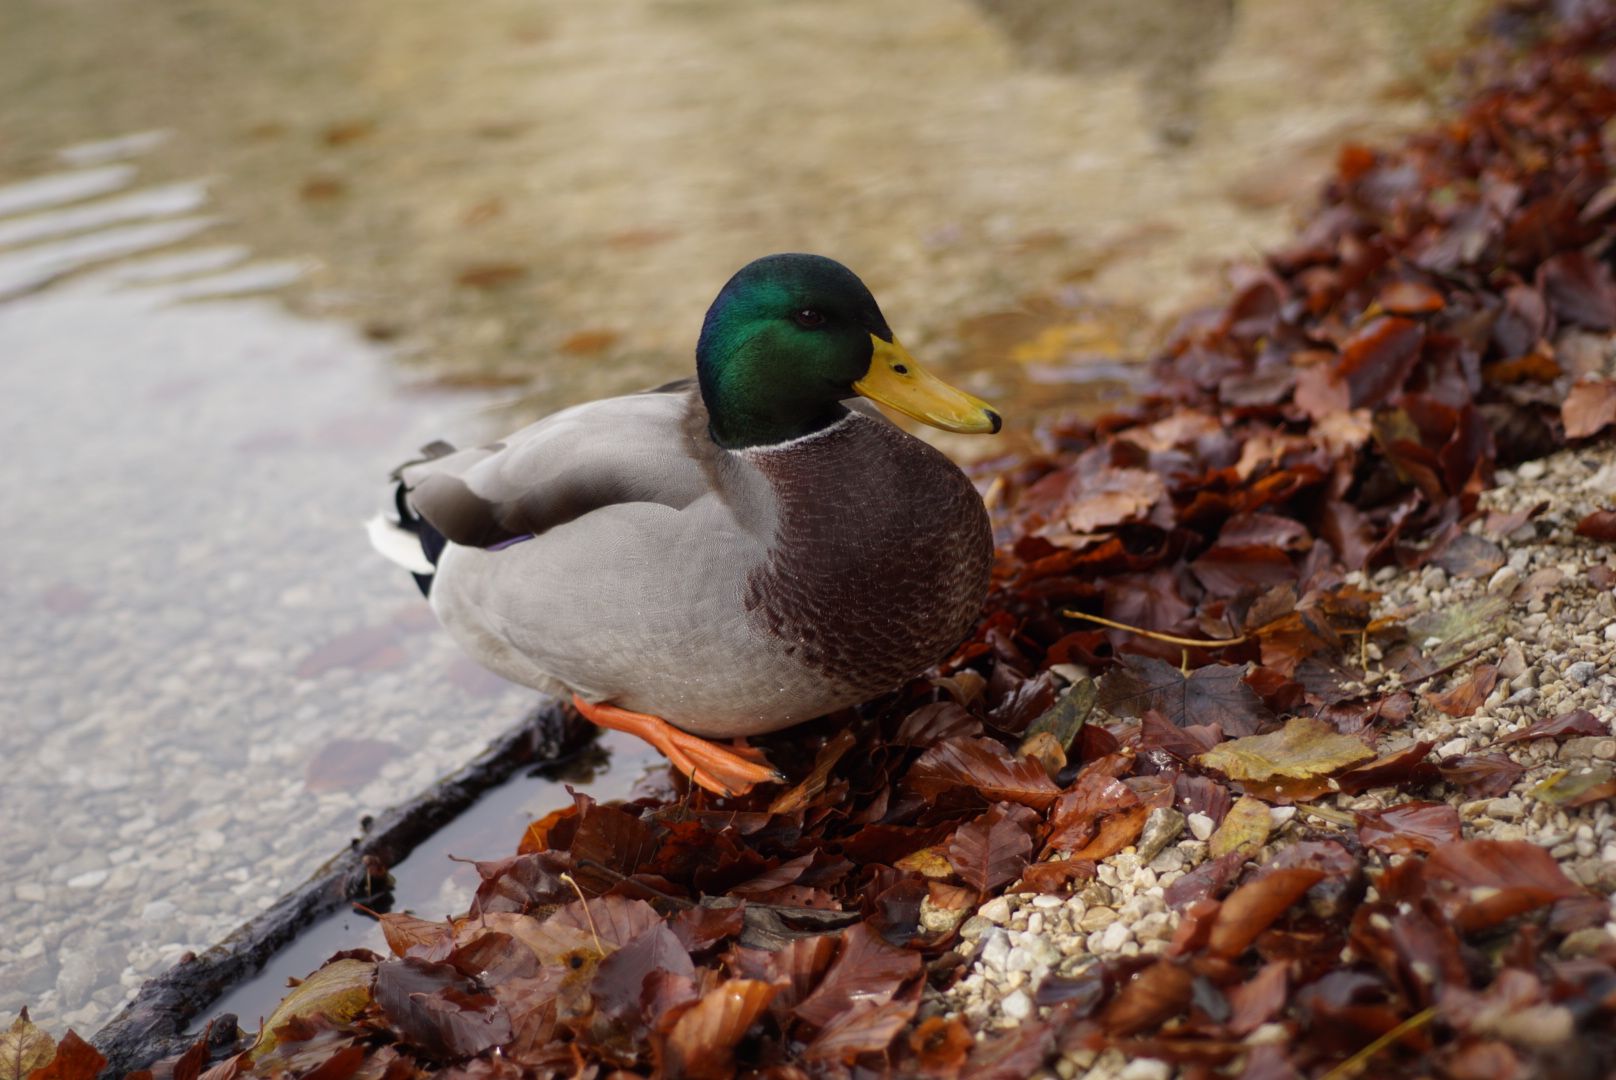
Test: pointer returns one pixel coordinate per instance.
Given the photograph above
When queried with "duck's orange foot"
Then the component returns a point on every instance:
(721, 770)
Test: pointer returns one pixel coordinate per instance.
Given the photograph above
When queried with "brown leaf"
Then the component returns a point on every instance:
(935, 722)
(1589, 408)
(405, 932)
(1302, 749)
(1075, 817)
(1575, 722)
(1470, 556)
(1213, 694)
(989, 851)
(75, 1060)
(1465, 698)
(1482, 776)
(490, 275)
(437, 1010)
(1496, 880)
(985, 766)
(866, 968)
(701, 1044)
(1410, 298)
(940, 1045)
(1259, 1000)
(1253, 907)
(1377, 360)
(1404, 768)
(1579, 290)
(1245, 829)
(1408, 827)
(1599, 525)
(1150, 998)
(1112, 497)
(804, 793)
(865, 1027)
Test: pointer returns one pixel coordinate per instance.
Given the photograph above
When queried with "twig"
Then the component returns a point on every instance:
(1192, 643)
(1334, 816)
(584, 900)
(1350, 1067)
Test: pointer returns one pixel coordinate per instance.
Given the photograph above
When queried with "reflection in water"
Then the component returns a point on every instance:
(1167, 43)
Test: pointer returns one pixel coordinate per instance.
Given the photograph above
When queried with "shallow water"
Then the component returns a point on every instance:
(312, 236)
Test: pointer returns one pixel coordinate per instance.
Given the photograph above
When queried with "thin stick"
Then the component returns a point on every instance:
(1351, 1067)
(1190, 643)
(585, 901)
(1328, 814)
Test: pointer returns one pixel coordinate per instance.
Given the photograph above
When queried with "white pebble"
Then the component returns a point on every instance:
(1018, 1006)
(1200, 826)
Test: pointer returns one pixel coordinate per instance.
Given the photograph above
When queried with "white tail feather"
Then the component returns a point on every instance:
(397, 544)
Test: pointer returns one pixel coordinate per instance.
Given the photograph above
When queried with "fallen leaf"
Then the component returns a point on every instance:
(1113, 497)
(985, 766)
(24, 1048)
(1464, 698)
(1589, 408)
(1253, 907)
(1482, 776)
(1496, 880)
(1573, 789)
(1599, 525)
(337, 992)
(1575, 722)
(866, 968)
(1214, 694)
(989, 851)
(865, 1027)
(1244, 829)
(1408, 827)
(1376, 360)
(940, 1045)
(701, 1044)
(1303, 748)
(438, 1010)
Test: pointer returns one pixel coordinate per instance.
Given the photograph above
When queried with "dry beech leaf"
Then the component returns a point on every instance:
(1466, 697)
(1253, 907)
(1409, 827)
(24, 1048)
(1575, 722)
(1599, 525)
(989, 851)
(1589, 408)
(1573, 789)
(865, 1027)
(1496, 880)
(701, 1044)
(338, 992)
(940, 1045)
(1245, 828)
(75, 1059)
(1304, 748)
(985, 766)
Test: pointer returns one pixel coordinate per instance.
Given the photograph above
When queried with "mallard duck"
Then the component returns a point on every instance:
(721, 556)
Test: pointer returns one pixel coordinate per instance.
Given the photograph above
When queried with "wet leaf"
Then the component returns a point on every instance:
(1409, 827)
(1303, 748)
(337, 992)
(1464, 698)
(75, 1059)
(406, 932)
(864, 1028)
(438, 1010)
(866, 968)
(1112, 497)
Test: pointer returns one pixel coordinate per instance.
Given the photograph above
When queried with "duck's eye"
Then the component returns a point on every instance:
(808, 318)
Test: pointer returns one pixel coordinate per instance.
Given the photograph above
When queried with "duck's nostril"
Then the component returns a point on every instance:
(900, 369)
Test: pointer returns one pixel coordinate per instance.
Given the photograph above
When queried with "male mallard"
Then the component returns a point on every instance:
(721, 556)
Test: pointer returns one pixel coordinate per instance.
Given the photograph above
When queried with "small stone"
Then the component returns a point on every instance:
(1114, 937)
(1531, 470)
(1146, 1069)
(974, 927)
(1513, 662)
(1097, 918)
(1161, 828)
(1047, 902)
(996, 949)
(996, 911)
(1504, 581)
(1582, 672)
(88, 880)
(933, 919)
(1508, 808)
(1200, 826)
(31, 892)
(1588, 746)
(1018, 1006)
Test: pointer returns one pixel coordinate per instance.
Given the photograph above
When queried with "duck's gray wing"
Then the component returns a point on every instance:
(650, 447)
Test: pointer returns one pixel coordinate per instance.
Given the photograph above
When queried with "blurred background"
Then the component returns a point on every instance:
(252, 254)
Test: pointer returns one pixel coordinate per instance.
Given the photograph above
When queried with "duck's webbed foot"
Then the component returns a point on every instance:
(721, 770)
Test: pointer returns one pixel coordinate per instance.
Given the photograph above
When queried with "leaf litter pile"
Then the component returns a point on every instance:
(1344, 411)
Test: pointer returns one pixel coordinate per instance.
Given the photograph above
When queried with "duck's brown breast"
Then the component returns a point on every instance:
(880, 560)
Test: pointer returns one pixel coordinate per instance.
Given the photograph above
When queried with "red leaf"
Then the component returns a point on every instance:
(1409, 827)
(1405, 768)
(1253, 907)
(1465, 698)
(865, 1027)
(1482, 776)
(75, 1060)
(1151, 997)
(989, 851)
(1575, 722)
(1589, 408)
(1377, 360)
(1496, 880)
(865, 968)
(1579, 290)
(985, 766)
(940, 1045)
(1599, 525)
(701, 1043)
(1075, 819)
(1411, 298)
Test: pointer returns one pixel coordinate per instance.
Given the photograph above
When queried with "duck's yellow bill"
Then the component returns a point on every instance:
(895, 380)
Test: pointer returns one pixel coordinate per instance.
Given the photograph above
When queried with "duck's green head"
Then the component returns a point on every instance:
(791, 337)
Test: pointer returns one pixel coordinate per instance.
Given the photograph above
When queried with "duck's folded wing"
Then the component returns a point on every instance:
(649, 447)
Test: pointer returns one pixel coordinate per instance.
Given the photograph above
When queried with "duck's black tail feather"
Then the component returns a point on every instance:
(396, 535)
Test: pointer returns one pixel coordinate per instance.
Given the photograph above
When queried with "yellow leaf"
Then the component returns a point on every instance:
(927, 862)
(1304, 747)
(339, 992)
(1245, 828)
(24, 1048)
